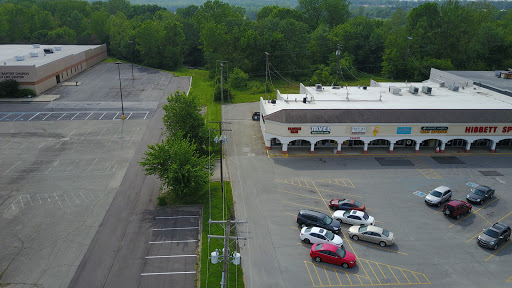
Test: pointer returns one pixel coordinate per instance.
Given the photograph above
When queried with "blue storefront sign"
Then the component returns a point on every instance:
(403, 130)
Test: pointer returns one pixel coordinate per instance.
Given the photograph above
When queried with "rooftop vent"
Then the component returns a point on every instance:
(395, 90)
(426, 89)
(48, 50)
(413, 90)
(19, 58)
(453, 87)
(57, 48)
(35, 45)
(34, 54)
(336, 87)
(318, 87)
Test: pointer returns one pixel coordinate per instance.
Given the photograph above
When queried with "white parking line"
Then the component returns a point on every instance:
(47, 116)
(163, 242)
(89, 116)
(18, 117)
(167, 273)
(91, 165)
(51, 167)
(62, 116)
(5, 116)
(102, 115)
(129, 116)
(170, 256)
(75, 116)
(12, 167)
(144, 115)
(184, 228)
(34, 116)
(173, 217)
(115, 116)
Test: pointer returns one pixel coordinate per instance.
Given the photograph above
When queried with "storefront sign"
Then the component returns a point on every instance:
(14, 75)
(483, 129)
(320, 130)
(355, 138)
(294, 130)
(434, 129)
(403, 130)
(358, 130)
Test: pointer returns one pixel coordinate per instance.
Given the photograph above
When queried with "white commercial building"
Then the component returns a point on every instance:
(40, 67)
(444, 111)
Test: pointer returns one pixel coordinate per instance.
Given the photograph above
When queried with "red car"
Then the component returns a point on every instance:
(332, 254)
(455, 208)
(346, 204)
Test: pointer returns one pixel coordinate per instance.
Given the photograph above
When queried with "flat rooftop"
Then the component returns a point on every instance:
(487, 78)
(380, 97)
(9, 52)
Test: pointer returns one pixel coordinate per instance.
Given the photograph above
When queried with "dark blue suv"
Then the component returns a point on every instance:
(311, 218)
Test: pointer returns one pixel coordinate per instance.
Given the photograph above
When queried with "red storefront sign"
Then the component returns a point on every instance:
(487, 129)
(294, 130)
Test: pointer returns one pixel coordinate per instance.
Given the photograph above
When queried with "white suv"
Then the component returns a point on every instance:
(438, 196)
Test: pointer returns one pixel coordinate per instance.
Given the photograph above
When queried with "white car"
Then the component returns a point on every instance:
(353, 217)
(319, 235)
(438, 196)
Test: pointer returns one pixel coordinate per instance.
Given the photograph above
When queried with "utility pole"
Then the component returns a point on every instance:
(338, 52)
(221, 96)
(266, 75)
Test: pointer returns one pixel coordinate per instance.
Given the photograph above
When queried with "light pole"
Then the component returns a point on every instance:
(120, 89)
(131, 42)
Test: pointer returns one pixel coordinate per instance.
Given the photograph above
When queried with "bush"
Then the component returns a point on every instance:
(9, 88)
(228, 93)
(256, 87)
(26, 92)
(238, 79)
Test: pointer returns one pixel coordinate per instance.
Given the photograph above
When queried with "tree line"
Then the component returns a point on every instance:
(318, 41)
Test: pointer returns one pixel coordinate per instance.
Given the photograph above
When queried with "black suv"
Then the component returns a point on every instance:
(311, 218)
(480, 194)
(492, 236)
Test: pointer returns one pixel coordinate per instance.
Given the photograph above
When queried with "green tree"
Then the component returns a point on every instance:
(62, 35)
(177, 164)
(238, 78)
(182, 115)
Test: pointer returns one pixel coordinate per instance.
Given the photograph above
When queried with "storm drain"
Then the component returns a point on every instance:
(393, 161)
(490, 173)
(447, 160)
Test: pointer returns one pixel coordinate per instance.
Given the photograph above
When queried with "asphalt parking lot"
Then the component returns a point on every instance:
(62, 164)
(429, 250)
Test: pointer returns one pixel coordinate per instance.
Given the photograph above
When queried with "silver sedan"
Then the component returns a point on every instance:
(371, 234)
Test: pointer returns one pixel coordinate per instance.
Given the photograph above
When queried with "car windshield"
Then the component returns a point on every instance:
(363, 228)
(492, 233)
(319, 247)
(345, 215)
(357, 203)
(329, 235)
(385, 232)
(341, 252)
(436, 193)
(365, 216)
(308, 230)
(328, 220)
(478, 192)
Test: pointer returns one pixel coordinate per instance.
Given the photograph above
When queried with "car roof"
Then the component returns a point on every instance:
(329, 247)
(356, 212)
(456, 203)
(442, 189)
(374, 229)
(483, 188)
(498, 226)
(313, 212)
(317, 230)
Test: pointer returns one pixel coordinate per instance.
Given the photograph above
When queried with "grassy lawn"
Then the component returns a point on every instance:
(214, 276)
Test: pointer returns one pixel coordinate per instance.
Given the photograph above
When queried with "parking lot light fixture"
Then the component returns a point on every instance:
(120, 89)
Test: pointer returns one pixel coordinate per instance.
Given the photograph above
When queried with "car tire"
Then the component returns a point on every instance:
(355, 237)
(344, 265)
(306, 240)
(382, 244)
(469, 211)
(458, 216)
(318, 259)
(439, 204)
(482, 202)
(446, 213)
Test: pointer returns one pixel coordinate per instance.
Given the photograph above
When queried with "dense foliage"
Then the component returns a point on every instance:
(301, 42)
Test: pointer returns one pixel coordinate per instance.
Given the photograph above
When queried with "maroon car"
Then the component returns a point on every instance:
(455, 208)
(332, 254)
(346, 204)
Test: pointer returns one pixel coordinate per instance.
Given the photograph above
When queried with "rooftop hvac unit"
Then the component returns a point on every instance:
(35, 45)
(34, 54)
(57, 48)
(455, 88)
(48, 50)
(19, 58)
(318, 87)
(426, 90)
(413, 90)
(395, 90)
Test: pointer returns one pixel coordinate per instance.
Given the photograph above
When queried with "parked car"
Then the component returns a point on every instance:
(437, 196)
(480, 194)
(332, 254)
(353, 217)
(371, 234)
(494, 235)
(455, 208)
(256, 116)
(346, 204)
(310, 218)
(318, 235)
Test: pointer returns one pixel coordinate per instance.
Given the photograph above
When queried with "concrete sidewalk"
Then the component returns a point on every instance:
(39, 98)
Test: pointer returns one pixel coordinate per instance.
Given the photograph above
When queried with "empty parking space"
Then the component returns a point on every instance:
(76, 115)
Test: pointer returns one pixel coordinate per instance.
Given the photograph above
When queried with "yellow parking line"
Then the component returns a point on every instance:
(379, 221)
(297, 194)
(339, 278)
(473, 212)
(295, 228)
(339, 193)
(481, 232)
(378, 247)
(438, 211)
(389, 267)
(327, 277)
(320, 280)
(291, 214)
(482, 217)
(509, 279)
(473, 237)
(504, 217)
(373, 272)
(414, 274)
(382, 272)
(316, 208)
(310, 274)
(498, 250)
(349, 280)
(402, 270)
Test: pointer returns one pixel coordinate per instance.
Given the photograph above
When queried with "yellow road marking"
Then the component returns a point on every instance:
(373, 271)
(414, 274)
(297, 194)
(349, 280)
(473, 212)
(498, 250)
(389, 267)
(379, 221)
(291, 214)
(401, 270)
(297, 228)
(481, 232)
(509, 279)
(383, 272)
(482, 217)
(338, 192)
(320, 280)
(327, 276)
(339, 278)
(504, 217)
(310, 274)
(438, 211)
(316, 208)
(378, 247)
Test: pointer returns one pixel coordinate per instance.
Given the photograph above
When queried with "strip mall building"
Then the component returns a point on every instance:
(444, 112)
(41, 67)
